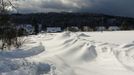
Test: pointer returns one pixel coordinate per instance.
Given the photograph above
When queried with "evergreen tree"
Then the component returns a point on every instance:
(35, 25)
(124, 25)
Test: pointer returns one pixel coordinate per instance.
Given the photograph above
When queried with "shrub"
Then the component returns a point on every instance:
(72, 29)
(11, 36)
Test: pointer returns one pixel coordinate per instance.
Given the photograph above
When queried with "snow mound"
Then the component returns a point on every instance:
(83, 35)
(63, 35)
(125, 54)
(59, 66)
(87, 53)
(128, 45)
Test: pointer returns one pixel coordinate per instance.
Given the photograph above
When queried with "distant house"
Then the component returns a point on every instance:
(100, 28)
(113, 28)
(53, 29)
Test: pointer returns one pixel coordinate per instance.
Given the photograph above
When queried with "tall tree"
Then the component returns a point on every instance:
(124, 25)
(8, 31)
(35, 25)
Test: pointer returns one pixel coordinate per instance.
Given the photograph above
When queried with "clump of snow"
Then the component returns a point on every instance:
(22, 67)
(43, 68)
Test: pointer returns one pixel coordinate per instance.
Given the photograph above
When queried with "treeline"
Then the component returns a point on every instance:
(72, 19)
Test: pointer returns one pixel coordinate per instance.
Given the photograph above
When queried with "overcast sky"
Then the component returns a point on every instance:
(112, 7)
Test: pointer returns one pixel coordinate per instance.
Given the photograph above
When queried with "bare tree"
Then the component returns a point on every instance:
(4, 4)
(9, 34)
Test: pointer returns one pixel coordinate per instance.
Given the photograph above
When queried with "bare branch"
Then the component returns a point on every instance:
(4, 4)
(12, 4)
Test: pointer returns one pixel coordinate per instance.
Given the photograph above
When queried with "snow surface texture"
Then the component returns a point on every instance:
(67, 53)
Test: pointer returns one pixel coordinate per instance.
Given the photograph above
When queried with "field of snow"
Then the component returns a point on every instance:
(67, 53)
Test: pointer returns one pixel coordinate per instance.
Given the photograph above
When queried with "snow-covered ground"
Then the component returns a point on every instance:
(82, 53)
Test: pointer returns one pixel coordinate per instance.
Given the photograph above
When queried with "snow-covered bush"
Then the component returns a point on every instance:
(10, 36)
(72, 29)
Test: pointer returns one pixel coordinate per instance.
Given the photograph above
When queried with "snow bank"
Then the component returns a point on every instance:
(125, 54)
(68, 53)
(22, 67)
(22, 53)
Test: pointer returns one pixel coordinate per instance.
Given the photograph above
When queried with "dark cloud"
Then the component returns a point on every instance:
(112, 7)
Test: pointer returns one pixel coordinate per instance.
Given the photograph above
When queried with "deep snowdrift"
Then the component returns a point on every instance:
(82, 53)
